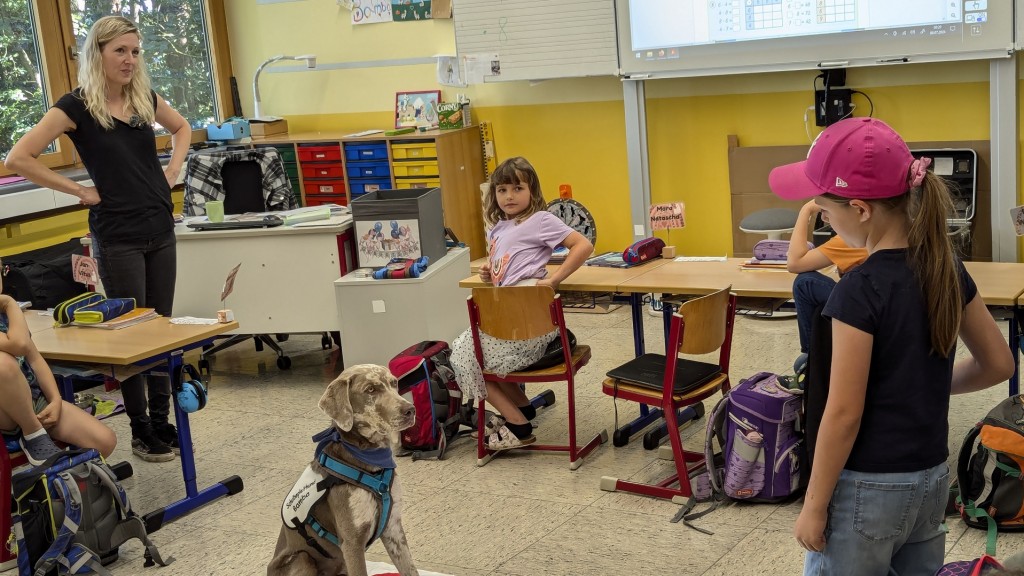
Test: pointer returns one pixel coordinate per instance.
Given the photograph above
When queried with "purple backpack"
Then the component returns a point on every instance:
(757, 426)
(976, 567)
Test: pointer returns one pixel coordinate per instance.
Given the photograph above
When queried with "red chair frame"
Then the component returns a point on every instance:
(685, 461)
(519, 314)
(8, 462)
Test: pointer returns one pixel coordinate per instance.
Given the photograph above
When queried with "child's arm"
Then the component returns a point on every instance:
(579, 250)
(16, 341)
(991, 361)
(839, 426)
(50, 415)
(799, 258)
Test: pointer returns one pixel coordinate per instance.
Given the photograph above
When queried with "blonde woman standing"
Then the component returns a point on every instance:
(109, 118)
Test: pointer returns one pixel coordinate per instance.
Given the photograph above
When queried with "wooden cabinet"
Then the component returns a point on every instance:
(335, 168)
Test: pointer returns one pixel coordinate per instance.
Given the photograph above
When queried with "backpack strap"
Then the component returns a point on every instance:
(67, 488)
(130, 526)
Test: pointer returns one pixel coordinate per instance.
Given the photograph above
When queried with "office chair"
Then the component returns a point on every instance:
(702, 325)
(247, 180)
(522, 313)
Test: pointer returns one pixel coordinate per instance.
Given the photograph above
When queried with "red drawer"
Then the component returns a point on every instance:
(319, 153)
(333, 171)
(313, 186)
(324, 199)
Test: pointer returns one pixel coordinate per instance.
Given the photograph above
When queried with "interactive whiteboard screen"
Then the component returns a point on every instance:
(699, 37)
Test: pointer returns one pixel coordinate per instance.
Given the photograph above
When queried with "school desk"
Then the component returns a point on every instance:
(285, 284)
(156, 343)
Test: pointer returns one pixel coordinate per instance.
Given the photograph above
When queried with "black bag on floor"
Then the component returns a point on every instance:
(42, 277)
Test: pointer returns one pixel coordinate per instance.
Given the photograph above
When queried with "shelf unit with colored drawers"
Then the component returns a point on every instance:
(335, 168)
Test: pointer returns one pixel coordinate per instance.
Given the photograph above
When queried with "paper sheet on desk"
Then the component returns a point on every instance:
(332, 221)
(193, 321)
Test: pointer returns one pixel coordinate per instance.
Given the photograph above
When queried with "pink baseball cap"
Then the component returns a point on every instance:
(860, 158)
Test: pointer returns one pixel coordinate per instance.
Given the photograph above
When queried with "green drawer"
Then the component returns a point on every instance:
(287, 153)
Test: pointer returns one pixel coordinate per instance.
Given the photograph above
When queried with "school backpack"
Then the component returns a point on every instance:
(976, 567)
(989, 476)
(758, 430)
(70, 515)
(425, 378)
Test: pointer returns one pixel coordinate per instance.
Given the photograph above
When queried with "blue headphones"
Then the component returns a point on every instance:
(190, 393)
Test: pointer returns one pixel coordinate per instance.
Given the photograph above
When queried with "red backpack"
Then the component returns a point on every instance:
(425, 378)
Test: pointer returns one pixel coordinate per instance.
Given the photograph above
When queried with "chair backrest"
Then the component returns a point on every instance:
(706, 321)
(243, 187)
(516, 312)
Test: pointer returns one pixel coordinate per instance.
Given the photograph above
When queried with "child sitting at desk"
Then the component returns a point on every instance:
(32, 404)
(523, 236)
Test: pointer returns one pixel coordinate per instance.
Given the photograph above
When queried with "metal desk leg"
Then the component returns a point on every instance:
(1015, 343)
(194, 498)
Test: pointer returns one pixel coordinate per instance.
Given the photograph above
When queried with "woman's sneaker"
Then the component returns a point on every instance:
(38, 449)
(168, 434)
(150, 448)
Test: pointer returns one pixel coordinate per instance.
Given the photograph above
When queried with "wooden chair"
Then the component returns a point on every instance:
(701, 326)
(11, 457)
(521, 313)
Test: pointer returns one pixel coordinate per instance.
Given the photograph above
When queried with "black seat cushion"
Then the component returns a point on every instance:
(553, 355)
(648, 371)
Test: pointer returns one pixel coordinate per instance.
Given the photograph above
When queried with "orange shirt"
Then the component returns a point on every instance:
(842, 255)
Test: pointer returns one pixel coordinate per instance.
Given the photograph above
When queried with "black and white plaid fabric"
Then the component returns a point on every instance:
(203, 181)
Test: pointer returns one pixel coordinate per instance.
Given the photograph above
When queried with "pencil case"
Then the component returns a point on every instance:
(64, 313)
(643, 250)
(104, 310)
(774, 249)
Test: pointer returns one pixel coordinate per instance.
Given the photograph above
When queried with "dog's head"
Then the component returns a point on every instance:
(364, 400)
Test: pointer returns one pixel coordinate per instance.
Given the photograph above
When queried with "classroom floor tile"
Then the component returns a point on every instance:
(523, 514)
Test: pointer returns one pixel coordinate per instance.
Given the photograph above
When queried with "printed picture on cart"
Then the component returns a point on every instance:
(382, 240)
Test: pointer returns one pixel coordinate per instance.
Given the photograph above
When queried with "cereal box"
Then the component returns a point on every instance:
(452, 115)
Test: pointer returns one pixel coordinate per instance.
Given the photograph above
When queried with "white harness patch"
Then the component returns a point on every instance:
(302, 497)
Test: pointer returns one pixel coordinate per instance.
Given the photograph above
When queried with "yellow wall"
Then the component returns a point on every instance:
(574, 130)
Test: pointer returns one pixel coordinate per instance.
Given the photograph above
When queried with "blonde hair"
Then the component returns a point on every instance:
(93, 81)
(930, 255)
(513, 171)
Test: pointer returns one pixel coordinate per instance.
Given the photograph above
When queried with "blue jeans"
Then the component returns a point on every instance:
(881, 524)
(810, 290)
(143, 269)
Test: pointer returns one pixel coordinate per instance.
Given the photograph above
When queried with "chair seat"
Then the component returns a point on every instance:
(580, 356)
(631, 391)
(648, 370)
(12, 444)
(769, 220)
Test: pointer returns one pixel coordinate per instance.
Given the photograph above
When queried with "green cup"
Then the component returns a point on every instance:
(215, 210)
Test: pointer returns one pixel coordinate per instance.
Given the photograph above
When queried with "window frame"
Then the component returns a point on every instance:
(59, 62)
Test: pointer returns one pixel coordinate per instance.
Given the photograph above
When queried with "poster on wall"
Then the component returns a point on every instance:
(410, 10)
(380, 241)
(371, 11)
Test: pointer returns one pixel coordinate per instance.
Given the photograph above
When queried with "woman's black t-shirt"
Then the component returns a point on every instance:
(905, 426)
(135, 200)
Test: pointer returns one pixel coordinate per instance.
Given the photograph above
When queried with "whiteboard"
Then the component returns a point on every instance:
(665, 38)
(539, 39)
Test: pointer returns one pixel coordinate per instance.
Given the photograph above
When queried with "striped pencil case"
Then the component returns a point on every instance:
(64, 313)
(104, 310)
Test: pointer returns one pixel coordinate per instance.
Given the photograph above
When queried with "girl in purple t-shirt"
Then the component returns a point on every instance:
(521, 240)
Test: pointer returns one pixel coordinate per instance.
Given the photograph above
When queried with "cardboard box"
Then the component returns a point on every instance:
(268, 128)
(451, 115)
(398, 224)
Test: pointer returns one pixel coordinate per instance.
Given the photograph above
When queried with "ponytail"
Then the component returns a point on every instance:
(931, 258)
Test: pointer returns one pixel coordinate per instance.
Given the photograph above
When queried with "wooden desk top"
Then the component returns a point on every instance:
(119, 347)
(707, 277)
(589, 278)
(999, 283)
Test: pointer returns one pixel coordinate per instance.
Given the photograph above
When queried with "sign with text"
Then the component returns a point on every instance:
(670, 215)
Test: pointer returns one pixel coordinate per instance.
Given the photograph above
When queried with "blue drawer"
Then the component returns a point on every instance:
(368, 169)
(362, 186)
(368, 151)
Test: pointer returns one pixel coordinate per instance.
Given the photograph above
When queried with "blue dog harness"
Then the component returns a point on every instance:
(312, 487)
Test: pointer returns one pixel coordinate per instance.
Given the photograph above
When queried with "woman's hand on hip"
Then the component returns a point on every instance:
(171, 174)
(88, 196)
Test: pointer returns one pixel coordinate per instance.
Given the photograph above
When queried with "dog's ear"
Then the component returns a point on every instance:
(335, 402)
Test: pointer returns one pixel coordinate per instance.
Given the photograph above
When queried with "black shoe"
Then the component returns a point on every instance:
(168, 434)
(150, 448)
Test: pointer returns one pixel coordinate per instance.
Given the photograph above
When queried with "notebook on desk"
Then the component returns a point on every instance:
(648, 371)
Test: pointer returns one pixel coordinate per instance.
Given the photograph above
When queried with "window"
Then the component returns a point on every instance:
(40, 41)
